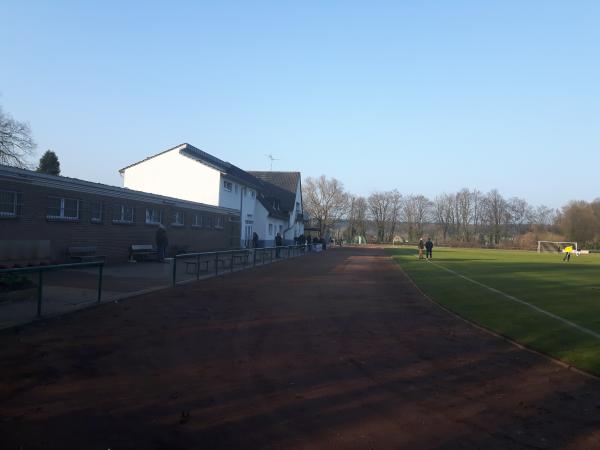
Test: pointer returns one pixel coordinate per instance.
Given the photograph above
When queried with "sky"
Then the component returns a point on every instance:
(424, 96)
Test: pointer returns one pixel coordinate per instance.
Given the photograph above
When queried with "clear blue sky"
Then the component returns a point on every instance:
(423, 96)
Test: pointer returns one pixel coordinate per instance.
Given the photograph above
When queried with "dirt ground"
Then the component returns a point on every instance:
(333, 350)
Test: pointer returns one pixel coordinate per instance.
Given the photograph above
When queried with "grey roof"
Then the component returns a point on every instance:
(283, 180)
(75, 184)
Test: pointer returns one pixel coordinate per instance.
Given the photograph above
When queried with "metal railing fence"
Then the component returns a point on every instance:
(40, 280)
(228, 260)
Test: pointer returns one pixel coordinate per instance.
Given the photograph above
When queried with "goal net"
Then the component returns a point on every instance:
(555, 246)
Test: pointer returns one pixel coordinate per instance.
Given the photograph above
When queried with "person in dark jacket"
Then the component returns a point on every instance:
(161, 242)
(278, 243)
(429, 248)
(255, 240)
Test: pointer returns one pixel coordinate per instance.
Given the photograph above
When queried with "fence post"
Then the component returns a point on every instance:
(100, 282)
(174, 270)
(39, 303)
(263, 257)
(197, 267)
(254, 258)
(216, 263)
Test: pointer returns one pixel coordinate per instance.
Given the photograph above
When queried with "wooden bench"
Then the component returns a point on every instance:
(142, 251)
(84, 254)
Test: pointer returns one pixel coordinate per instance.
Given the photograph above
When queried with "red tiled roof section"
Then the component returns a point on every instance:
(283, 180)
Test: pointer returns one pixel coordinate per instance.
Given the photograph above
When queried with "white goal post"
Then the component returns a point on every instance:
(555, 246)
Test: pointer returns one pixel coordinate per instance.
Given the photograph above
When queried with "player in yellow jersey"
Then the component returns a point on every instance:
(568, 250)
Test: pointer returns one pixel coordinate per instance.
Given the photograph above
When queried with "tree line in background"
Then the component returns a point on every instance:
(467, 217)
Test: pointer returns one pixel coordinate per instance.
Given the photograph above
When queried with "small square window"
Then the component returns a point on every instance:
(219, 222)
(9, 204)
(153, 216)
(96, 212)
(197, 220)
(123, 214)
(62, 208)
(228, 186)
(178, 218)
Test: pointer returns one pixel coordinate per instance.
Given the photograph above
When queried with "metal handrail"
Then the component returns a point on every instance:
(216, 254)
(42, 269)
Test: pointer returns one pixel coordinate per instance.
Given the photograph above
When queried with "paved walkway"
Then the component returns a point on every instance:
(327, 351)
(66, 291)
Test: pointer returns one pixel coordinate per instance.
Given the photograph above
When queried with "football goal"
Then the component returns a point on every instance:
(555, 246)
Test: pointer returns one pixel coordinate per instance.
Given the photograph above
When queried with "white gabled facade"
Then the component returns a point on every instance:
(188, 173)
(172, 174)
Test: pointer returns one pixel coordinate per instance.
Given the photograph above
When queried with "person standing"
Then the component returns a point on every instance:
(421, 248)
(255, 240)
(278, 244)
(161, 242)
(429, 248)
(568, 250)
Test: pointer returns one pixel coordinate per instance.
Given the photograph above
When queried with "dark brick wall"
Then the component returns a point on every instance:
(111, 239)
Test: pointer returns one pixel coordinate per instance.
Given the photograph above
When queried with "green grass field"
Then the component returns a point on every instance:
(570, 291)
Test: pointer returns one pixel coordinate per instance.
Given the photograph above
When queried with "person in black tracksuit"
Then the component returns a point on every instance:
(429, 248)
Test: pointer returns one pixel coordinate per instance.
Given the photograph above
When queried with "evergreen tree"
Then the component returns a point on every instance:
(49, 163)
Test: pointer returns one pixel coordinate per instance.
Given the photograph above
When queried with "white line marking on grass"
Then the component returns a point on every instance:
(522, 302)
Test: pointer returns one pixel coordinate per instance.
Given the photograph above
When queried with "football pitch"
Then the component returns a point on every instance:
(535, 299)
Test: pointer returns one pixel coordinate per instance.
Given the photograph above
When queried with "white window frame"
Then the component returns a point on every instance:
(271, 229)
(227, 186)
(122, 210)
(151, 219)
(219, 222)
(100, 209)
(198, 220)
(62, 215)
(15, 204)
(178, 219)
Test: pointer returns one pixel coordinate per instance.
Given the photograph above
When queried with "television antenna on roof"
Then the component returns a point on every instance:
(271, 158)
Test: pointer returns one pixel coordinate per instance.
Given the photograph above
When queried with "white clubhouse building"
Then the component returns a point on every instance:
(268, 202)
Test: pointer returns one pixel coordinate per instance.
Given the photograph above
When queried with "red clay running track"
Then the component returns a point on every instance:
(335, 350)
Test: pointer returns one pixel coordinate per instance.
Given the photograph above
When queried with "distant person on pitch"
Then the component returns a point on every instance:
(429, 248)
(421, 248)
(568, 250)
(161, 242)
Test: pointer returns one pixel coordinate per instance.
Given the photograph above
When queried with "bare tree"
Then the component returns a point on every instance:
(379, 207)
(357, 217)
(395, 199)
(443, 210)
(495, 214)
(16, 144)
(415, 212)
(325, 200)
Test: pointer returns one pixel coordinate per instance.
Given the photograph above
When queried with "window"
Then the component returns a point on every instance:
(236, 188)
(208, 222)
(280, 229)
(63, 208)
(9, 204)
(270, 229)
(153, 216)
(96, 212)
(123, 214)
(227, 185)
(178, 218)
(219, 222)
(197, 220)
